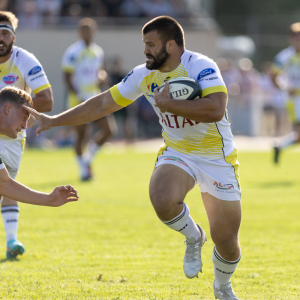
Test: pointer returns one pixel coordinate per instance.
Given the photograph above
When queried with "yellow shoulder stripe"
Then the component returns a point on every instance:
(118, 98)
(214, 89)
(41, 88)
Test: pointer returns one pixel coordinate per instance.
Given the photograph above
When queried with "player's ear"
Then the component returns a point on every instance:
(170, 45)
(7, 108)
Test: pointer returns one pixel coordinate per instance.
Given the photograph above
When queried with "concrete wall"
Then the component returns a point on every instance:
(49, 45)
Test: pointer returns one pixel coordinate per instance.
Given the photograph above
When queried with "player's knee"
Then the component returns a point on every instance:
(225, 239)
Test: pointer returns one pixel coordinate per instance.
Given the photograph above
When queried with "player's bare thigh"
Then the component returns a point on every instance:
(224, 220)
(169, 185)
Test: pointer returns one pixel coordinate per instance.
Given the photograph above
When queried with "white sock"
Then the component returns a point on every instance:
(82, 165)
(184, 224)
(91, 150)
(10, 215)
(223, 268)
(288, 140)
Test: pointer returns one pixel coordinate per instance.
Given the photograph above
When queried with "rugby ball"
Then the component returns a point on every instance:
(183, 88)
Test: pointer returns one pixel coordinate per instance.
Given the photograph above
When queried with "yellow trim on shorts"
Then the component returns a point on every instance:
(118, 98)
(41, 88)
(290, 107)
(214, 89)
(73, 100)
(232, 159)
(160, 152)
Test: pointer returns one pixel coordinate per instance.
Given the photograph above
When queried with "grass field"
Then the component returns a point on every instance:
(110, 244)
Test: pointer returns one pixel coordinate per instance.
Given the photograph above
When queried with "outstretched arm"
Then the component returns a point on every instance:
(90, 110)
(19, 192)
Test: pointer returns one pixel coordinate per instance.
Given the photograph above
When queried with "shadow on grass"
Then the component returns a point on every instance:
(4, 260)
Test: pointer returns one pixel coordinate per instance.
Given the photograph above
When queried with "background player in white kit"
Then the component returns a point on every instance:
(198, 146)
(287, 63)
(21, 69)
(81, 65)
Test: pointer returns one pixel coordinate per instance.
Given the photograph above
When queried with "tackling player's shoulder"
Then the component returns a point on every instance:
(138, 73)
(20, 53)
(198, 64)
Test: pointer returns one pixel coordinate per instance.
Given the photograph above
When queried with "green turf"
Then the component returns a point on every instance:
(110, 244)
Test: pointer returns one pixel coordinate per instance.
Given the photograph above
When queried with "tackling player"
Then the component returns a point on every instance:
(198, 147)
(13, 119)
(81, 65)
(287, 63)
(21, 69)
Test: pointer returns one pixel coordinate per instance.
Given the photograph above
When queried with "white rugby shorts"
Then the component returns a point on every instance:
(11, 151)
(219, 178)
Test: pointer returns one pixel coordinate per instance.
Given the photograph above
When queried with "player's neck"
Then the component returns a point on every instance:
(171, 63)
(5, 58)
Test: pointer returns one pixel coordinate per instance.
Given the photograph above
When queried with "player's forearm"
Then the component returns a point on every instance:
(87, 111)
(43, 101)
(202, 110)
(22, 193)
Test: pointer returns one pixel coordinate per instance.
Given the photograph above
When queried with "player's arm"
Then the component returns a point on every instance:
(19, 192)
(68, 81)
(92, 109)
(209, 109)
(43, 100)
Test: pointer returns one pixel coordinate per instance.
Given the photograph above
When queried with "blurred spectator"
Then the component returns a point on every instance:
(154, 8)
(250, 80)
(132, 9)
(231, 76)
(50, 10)
(29, 16)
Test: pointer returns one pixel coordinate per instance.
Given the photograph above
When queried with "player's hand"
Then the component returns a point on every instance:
(62, 195)
(162, 98)
(44, 120)
(31, 121)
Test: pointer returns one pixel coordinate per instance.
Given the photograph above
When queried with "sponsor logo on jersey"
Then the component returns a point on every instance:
(222, 186)
(10, 79)
(152, 86)
(205, 72)
(34, 70)
(36, 77)
(126, 77)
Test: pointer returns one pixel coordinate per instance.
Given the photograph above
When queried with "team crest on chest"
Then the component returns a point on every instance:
(10, 79)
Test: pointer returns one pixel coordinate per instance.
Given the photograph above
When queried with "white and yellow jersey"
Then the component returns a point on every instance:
(207, 140)
(84, 63)
(23, 71)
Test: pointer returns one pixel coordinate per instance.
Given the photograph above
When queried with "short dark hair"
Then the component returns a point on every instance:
(8, 16)
(167, 27)
(15, 96)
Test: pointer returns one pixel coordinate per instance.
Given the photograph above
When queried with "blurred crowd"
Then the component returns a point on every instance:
(35, 13)
(248, 86)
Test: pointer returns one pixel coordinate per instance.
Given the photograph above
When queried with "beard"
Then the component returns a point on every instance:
(8, 49)
(158, 60)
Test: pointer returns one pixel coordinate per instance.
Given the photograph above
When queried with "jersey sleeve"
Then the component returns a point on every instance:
(68, 62)
(2, 166)
(35, 76)
(208, 75)
(128, 90)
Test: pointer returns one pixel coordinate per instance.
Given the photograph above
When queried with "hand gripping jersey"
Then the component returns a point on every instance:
(84, 63)
(208, 140)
